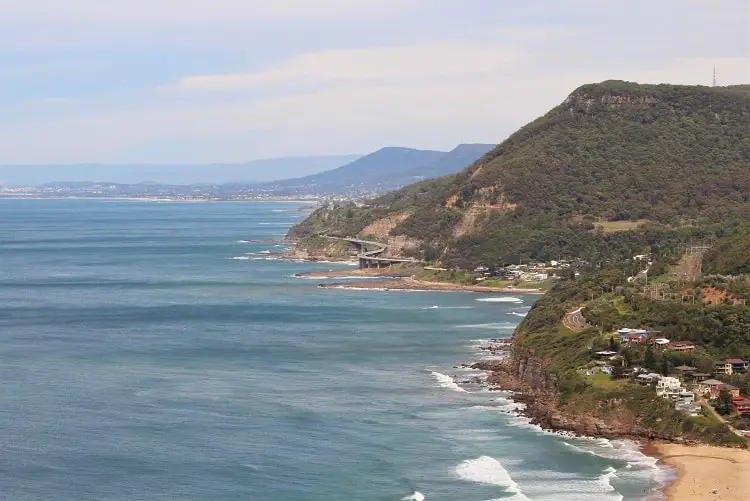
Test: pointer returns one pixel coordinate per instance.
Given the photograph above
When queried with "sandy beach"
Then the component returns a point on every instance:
(706, 473)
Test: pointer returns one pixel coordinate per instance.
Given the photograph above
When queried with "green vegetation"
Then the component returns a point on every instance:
(730, 255)
(609, 301)
(581, 181)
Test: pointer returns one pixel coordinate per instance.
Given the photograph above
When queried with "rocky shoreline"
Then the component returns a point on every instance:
(534, 387)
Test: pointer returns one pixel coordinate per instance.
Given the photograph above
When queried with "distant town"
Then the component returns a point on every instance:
(202, 192)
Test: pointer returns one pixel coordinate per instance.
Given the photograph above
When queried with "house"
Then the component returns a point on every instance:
(605, 353)
(714, 387)
(733, 390)
(668, 387)
(661, 342)
(681, 346)
(686, 397)
(647, 378)
(685, 370)
(742, 406)
(723, 367)
(632, 335)
(698, 376)
(708, 386)
(739, 366)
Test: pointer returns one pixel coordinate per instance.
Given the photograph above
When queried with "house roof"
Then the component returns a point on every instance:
(681, 343)
(686, 368)
(735, 361)
(712, 382)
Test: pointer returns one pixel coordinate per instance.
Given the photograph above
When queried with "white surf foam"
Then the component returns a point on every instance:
(605, 480)
(265, 252)
(436, 307)
(491, 325)
(564, 486)
(241, 258)
(517, 314)
(244, 242)
(446, 382)
(489, 471)
(417, 496)
(500, 300)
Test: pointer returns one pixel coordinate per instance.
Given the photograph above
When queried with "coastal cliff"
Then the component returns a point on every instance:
(525, 374)
(321, 249)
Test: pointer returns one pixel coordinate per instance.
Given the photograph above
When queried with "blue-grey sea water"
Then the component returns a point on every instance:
(153, 351)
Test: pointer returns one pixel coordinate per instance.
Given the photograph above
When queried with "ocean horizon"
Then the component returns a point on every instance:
(159, 351)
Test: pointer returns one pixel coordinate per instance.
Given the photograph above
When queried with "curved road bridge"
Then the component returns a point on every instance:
(370, 253)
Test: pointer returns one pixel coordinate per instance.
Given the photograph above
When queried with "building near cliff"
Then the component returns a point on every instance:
(632, 335)
(742, 406)
(669, 387)
(681, 346)
(731, 366)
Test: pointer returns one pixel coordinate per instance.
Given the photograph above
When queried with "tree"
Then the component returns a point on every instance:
(664, 366)
(613, 345)
(649, 360)
(724, 402)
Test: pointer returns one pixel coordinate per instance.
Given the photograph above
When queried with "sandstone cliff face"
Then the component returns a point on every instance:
(536, 387)
(321, 249)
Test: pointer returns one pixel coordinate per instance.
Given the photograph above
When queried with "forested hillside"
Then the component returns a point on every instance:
(730, 255)
(652, 159)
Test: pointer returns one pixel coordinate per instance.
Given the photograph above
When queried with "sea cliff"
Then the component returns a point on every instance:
(534, 385)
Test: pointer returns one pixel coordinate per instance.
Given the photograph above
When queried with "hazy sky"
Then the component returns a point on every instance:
(232, 80)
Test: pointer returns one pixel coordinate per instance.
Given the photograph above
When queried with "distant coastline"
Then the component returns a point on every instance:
(414, 284)
(4, 196)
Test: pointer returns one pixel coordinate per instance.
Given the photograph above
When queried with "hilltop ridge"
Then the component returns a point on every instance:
(612, 156)
(387, 168)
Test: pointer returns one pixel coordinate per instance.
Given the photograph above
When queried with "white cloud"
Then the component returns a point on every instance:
(436, 113)
(380, 64)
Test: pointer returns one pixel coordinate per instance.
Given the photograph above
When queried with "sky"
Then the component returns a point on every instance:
(205, 81)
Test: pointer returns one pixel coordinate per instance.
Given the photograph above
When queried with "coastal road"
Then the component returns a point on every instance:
(574, 320)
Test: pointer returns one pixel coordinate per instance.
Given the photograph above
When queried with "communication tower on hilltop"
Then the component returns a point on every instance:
(714, 81)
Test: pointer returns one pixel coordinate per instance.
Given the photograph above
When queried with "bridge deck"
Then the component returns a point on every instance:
(372, 258)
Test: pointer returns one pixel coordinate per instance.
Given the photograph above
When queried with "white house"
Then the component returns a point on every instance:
(668, 387)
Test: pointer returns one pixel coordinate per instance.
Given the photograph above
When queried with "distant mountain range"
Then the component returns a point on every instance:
(386, 169)
(255, 171)
(342, 175)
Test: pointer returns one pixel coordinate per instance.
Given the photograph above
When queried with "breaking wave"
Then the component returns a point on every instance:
(500, 300)
(487, 470)
(417, 496)
(446, 382)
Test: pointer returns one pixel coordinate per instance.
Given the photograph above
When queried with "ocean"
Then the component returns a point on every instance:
(161, 351)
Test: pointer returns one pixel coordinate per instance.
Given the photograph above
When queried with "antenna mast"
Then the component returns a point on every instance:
(714, 82)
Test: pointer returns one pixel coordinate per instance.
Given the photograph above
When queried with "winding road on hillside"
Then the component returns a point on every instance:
(574, 320)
